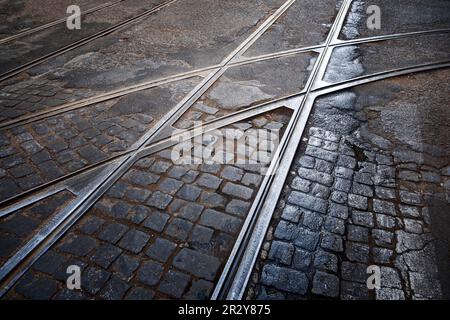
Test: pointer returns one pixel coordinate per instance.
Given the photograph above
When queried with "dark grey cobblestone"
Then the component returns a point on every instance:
(332, 242)
(383, 238)
(385, 193)
(346, 208)
(308, 202)
(150, 273)
(200, 290)
(156, 221)
(36, 94)
(125, 265)
(105, 254)
(134, 241)
(362, 218)
(362, 189)
(286, 231)
(91, 225)
(320, 191)
(220, 221)
(161, 231)
(313, 175)
(384, 207)
(159, 200)
(339, 197)
(56, 146)
(189, 193)
(187, 210)
(292, 213)
(306, 239)
(409, 211)
(115, 289)
(49, 262)
(285, 279)
(37, 288)
(19, 225)
(357, 252)
(325, 284)
(238, 191)
(237, 207)
(358, 234)
(281, 252)
(301, 184)
(197, 264)
(251, 179)
(93, 279)
(326, 261)
(140, 294)
(302, 259)
(232, 173)
(354, 291)
(209, 181)
(357, 201)
(78, 245)
(311, 220)
(179, 229)
(112, 232)
(161, 249)
(382, 255)
(338, 211)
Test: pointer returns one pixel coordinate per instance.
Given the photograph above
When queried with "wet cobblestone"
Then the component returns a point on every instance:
(22, 97)
(49, 149)
(251, 85)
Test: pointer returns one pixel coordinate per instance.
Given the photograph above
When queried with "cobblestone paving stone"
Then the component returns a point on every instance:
(163, 230)
(21, 225)
(23, 96)
(288, 32)
(49, 149)
(355, 198)
(370, 58)
(39, 44)
(365, 188)
(141, 52)
(251, 85)
(18, 18)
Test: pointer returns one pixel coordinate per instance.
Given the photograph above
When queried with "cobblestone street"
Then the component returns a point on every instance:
(356, 199)
(207, 149)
